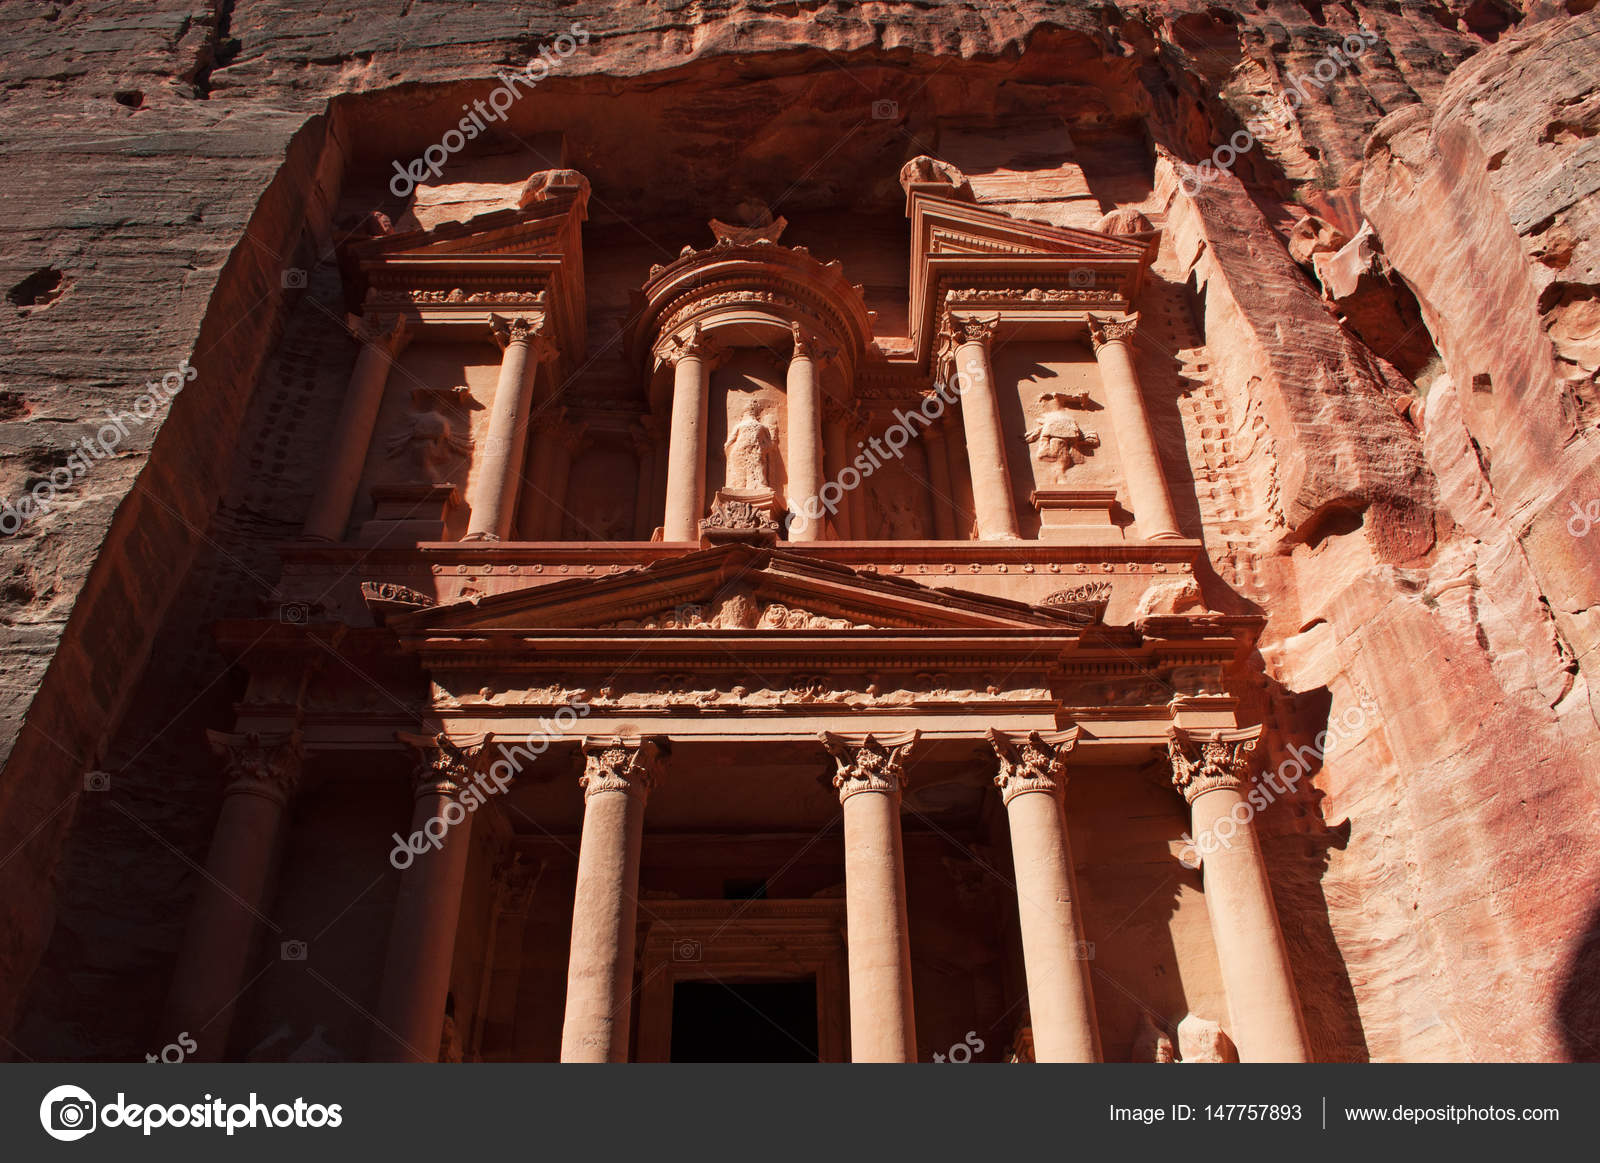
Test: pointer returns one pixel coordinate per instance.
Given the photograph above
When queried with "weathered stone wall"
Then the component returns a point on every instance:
(170, 161)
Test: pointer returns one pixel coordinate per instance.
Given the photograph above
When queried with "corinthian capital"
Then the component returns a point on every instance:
(1103, 330)
(973, 328)
(1204, 761)
(443, 766)
(1033, 762)
(631, 766)
(519, 329)
(872, 764)
(259, 764)
(391, 332)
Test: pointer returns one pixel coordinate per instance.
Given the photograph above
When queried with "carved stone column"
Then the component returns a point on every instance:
(870, 777)
(382, 339)
(804, 438)
(262, 772)
(1211, 769)
(980, 410)
(944, 498)
(422, 935)
(1033, 782)
(836, 454)
(1136, 442)
(617, 777)
(686, 450)
(494, 496)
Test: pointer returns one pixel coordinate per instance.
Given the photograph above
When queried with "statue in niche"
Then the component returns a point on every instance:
(900, 519)
(427, 441)
(1060, 439)
(748, 451)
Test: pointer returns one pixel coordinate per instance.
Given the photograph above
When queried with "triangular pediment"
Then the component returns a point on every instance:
(947, 227)
(740, 588)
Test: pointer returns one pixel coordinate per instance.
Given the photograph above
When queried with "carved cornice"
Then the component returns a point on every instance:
(872, 764)
(263, 764)
(1033, 762)
(1103, 331)
(443, 767)
(1205, 761)
(630, 766)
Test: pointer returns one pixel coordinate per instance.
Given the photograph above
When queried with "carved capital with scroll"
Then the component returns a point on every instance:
(872, 764)
(262, 764)
(1104, 330)
(1205, 761)
(630, 766)
(1033, 762)
(443, 766)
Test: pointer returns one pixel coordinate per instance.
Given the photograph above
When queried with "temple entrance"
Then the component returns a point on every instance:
(757, 1021)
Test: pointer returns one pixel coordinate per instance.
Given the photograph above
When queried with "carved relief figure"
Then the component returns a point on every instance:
(1059, 438)
(749, 452)
(428, 443)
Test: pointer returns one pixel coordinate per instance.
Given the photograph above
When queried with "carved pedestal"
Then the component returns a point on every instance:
(1078, 516)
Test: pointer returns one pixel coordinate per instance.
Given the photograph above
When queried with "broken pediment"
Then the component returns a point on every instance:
(743, 588)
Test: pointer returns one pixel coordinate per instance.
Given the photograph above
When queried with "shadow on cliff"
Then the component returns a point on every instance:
(1578, 1005)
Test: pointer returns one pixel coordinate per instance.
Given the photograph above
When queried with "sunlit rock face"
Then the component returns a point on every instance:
(1287, 335)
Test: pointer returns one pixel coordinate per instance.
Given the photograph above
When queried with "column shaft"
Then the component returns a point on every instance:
(686, 451)
(494, 498)
(1136, 444)
(381, 342)
(229, 899)
(1211, 770)
(804, 451)
(882, 1021)
(422, 933)
(617, 779)
(1262, 1003)
(1032, 782)
(980, 412)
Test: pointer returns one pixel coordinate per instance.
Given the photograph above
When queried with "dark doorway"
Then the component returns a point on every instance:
(756, 1021)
